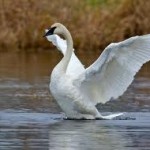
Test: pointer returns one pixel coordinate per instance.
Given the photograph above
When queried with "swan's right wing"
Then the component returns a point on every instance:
(75, 67)
(110, 75)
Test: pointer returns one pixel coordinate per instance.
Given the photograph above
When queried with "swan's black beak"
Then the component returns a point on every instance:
(50, 31)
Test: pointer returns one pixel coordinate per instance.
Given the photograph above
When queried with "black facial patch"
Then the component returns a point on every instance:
(50, 31)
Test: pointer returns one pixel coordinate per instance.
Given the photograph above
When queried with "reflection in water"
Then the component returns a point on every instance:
(42, 131)
(27, 119)
(75, 135)
(100, 134)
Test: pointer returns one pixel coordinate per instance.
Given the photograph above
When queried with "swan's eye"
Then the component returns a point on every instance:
(50, 31)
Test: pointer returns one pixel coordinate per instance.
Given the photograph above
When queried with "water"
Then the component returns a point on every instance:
(42, 131)
(31, 120)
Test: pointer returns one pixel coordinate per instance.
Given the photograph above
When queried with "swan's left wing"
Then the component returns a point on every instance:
(114, 70)
(75, 67)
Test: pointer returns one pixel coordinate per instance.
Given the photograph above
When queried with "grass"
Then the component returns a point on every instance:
(92, 23)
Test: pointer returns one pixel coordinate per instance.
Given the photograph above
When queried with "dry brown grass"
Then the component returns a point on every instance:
(22, 22)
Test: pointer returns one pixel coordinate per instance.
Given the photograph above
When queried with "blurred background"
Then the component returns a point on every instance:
(93, 23)
(27, 59)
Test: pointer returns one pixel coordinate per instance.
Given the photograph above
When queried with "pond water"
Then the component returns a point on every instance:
(31, 120)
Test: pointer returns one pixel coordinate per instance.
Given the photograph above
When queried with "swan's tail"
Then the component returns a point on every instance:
(109, 117)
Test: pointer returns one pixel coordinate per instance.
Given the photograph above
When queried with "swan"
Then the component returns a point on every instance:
(77, 90)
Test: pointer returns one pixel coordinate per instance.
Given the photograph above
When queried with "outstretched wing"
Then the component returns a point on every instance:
(110, 75)
(75, 67)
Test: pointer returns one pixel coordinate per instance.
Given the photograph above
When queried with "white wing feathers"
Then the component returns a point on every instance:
(115, 69)
(75, 67)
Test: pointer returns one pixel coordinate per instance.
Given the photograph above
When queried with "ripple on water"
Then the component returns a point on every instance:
(26, 121)
(41, 131)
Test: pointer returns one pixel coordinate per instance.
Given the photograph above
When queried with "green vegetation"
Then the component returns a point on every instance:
(92, 23)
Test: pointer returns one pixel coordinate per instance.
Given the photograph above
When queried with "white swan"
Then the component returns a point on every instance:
(77, 90)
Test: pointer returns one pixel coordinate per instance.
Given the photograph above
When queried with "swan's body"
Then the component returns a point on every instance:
(77, 90)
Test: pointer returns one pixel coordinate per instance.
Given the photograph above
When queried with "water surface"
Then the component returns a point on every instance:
(31, 120)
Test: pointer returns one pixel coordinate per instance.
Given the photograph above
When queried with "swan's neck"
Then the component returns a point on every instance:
(65, 60)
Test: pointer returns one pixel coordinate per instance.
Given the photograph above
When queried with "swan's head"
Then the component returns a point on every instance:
(56, 28)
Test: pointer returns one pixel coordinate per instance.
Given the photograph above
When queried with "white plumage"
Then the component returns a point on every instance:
(74, 67)
(80, 89)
